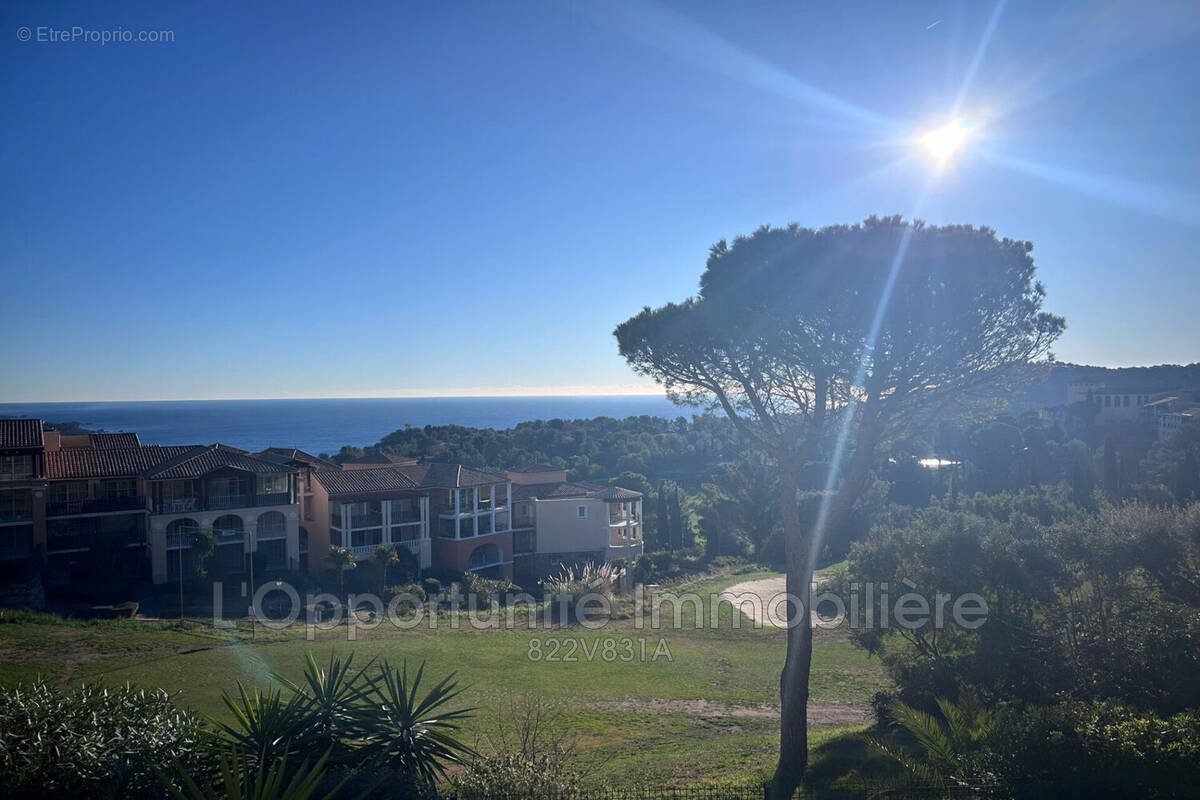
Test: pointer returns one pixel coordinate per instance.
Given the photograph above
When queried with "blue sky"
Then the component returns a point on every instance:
(350, 199)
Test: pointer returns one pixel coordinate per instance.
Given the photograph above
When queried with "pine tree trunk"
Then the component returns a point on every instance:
(793, 681)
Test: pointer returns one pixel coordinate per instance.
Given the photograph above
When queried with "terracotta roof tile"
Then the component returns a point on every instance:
(23, 433)
(437, 475)
(203, 460)
(357, 482)
(88, 462)
(114, 441)
(562, 490)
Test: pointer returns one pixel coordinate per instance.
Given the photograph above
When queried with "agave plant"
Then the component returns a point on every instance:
(330, 698)
(239, 779)
(413, 732)
(265, 726)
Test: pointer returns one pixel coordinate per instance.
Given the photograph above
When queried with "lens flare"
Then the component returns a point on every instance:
(942, 144)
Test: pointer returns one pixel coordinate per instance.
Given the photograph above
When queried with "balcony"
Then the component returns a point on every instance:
(623, 520)
(16, 515)
(103, 505)
(186, 505)
(370, 520)
(178, 505)
(618, 539)
(217, 502)
(277, 499)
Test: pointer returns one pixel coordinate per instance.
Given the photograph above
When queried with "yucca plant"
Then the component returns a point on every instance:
(265, 726)
(410, 731)
(330, 698)
(951, 747)
(240, 779)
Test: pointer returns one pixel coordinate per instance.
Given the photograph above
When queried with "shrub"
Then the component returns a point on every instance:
(563, 591)
(416, 595)
(532, 755)
(1102, 749)
(487, 591)
(432, 587)
(514, 775)
(92, 741)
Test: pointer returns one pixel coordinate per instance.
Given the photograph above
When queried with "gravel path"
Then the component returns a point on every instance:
(766, 604)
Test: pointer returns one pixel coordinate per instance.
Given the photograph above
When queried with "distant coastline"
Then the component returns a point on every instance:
(325, 424)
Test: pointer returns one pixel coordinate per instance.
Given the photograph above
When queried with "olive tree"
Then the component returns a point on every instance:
(829, 342)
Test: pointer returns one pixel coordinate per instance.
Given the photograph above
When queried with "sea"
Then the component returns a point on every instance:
(324, 425)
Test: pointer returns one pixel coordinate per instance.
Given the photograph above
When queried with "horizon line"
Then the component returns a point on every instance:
(334, 397)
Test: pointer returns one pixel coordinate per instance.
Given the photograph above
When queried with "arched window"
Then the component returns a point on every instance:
(178, 532)
(228, 525)
(486, 555)
(272, 525)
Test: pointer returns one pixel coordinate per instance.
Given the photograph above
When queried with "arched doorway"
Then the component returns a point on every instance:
(179, 540)
(230, 555)
(271, 539)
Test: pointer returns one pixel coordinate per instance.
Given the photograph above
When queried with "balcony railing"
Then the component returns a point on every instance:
(184, 505)
(623, 519)
(217, 502)
(16, 515)
(619, 540)
(179, 505)
(97, 506)
(373, 520)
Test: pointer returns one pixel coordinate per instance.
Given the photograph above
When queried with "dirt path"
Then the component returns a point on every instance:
(818, 713)
(762, 600)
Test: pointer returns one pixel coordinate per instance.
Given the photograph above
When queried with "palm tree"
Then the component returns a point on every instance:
(204, 542)
(341, 558)
(384, 556)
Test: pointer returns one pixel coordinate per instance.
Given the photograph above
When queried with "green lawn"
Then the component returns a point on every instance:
(704, 714)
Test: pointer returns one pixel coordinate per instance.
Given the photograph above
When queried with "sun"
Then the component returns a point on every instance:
(942, 144)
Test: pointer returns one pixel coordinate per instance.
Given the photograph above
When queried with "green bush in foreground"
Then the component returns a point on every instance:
(92, 741)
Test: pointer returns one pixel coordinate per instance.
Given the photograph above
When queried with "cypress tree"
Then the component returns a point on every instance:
(662, 520)
(676, 521)
(1112, 480)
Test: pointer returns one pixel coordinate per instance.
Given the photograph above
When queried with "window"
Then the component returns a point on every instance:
(177, 490)
(118, 487)
(272, 484)
(225, 489)
(12, 467)
(70, 492)
(1126, 401)
(367, 538)
(16, 540)
(406, 533)
(1108, 401)
(486, 555)
(580, 512)
(16, 505)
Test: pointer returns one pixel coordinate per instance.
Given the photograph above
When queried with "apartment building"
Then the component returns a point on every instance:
(450, 516)
(104, 506)
(558, 522)
(79, 507)
(22, 495)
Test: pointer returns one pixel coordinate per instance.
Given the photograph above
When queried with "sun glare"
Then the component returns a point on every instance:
(942, 144)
